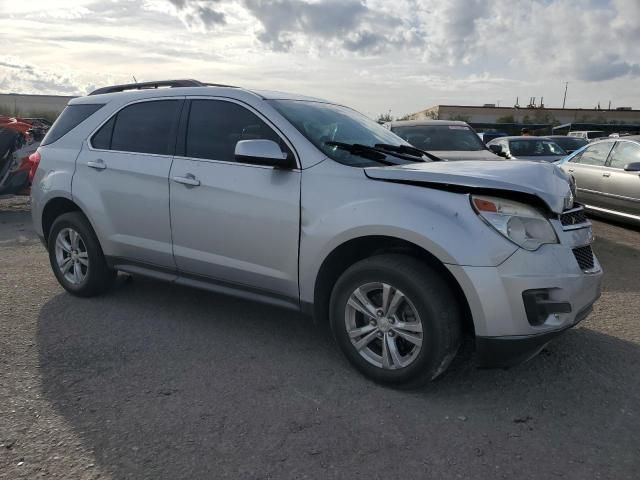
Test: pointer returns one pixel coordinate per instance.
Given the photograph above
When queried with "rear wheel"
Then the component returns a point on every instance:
(395, 319)
(76, 256)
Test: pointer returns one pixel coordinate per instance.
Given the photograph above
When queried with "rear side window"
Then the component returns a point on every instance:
(216, 126)
(71, 117)
(102, 138)
(147, 127)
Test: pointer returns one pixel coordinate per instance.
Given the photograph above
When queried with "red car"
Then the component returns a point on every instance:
(19, 140)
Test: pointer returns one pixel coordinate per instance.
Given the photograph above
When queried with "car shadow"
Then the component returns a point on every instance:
(167, 382)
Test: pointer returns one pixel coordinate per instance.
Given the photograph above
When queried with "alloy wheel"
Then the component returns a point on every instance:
(383, 326)
(72, 256)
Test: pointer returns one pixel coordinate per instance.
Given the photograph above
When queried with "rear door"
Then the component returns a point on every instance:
(588, 169)
(233, 224)
(121, 179)
(621, 189)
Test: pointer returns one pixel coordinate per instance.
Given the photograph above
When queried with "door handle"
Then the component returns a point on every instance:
(606, 174)
(98, 164)
(570, 170)
(188, 179)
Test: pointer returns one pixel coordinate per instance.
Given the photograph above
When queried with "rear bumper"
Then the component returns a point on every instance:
(502, 352)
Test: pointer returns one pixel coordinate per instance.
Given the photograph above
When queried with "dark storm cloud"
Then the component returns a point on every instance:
(606, 68)
(348, 24)
(364, 42)
(200, 11)
(10, 65)
(283, 20)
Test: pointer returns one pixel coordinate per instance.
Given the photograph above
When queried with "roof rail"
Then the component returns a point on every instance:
(152, 85)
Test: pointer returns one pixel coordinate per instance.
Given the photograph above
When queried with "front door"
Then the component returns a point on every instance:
(621, 189)
(588, 169)
(233, 223)
(122, 177)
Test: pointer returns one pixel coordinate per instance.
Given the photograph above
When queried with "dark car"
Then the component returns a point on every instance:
(537, 149)
(452, 140)
(568, 144)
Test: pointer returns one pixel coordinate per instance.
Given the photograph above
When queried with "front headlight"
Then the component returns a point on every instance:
(522, 224)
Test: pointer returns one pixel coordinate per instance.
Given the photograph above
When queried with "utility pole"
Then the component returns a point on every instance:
(566, 86)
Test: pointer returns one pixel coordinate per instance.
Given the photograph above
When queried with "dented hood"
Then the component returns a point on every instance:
(543, 180)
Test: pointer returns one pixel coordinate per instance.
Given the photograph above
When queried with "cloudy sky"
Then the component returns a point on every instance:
(375, 55)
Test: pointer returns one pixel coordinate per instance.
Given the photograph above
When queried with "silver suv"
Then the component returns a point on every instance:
(309, 205)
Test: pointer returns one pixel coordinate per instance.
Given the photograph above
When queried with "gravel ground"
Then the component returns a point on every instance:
(156, 381)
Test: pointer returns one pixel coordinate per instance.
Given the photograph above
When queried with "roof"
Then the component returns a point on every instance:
(172, 88)
(415, 123)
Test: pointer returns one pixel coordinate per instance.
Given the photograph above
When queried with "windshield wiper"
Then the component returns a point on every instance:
(377, 153)
(363, 151)
(415, 152)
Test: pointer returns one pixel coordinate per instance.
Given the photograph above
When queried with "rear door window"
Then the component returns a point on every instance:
(146, 127)
(70, 118)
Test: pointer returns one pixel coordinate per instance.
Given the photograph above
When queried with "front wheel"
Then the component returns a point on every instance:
(395, 319)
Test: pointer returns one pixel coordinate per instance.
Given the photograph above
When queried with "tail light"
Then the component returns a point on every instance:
(34, 159)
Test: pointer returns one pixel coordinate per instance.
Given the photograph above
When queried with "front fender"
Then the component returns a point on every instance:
(440, 222)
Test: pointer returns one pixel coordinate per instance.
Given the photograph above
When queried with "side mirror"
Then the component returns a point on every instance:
(632, 167)
(261, 152)
(498, 150)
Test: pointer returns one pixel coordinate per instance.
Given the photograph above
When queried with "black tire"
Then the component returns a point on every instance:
(431, 298)
(98, 276)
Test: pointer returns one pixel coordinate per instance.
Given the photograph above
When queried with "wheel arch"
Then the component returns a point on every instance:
(53, 209)
(356, 249)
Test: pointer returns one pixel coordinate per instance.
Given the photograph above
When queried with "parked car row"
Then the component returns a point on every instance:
(306, 204)
(456, 140)
(607, 178)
